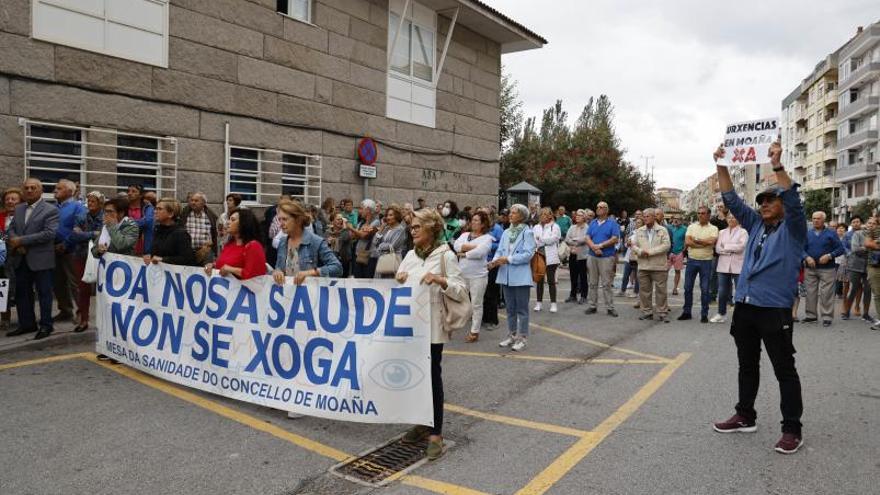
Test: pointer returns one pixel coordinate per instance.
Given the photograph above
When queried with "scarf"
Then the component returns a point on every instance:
(515, 231)
(423, 253)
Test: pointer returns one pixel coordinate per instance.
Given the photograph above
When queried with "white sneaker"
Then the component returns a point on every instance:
(553, 308)
(506, 342)
(537, 307)
(520, 344)
(717, 319)
(293, 415)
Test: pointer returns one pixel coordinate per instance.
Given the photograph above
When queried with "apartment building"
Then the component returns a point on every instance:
(257, 97)
(859, 101)
(706, 193)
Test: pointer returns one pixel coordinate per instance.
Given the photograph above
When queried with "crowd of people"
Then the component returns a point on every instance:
(486, 258)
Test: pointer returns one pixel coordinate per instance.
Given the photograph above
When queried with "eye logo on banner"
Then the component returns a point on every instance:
(397, 374)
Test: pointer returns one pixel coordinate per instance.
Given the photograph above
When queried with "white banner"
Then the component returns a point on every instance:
(354, 350)
(749, 142)
(4, 294)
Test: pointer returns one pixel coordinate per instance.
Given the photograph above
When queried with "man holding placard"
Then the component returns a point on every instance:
(765, 294)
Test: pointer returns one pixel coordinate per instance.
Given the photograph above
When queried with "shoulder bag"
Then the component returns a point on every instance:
(456, 314)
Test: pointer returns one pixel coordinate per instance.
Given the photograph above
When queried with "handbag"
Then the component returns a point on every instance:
(564, 251)
(90, 273)
(456, 314)
(539, 266)
(388, 264)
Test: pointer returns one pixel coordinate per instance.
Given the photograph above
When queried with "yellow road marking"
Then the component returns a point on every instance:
(523, 423)
(51, 359)
(571, 457)
(601, 344)
(553, 359)
(438, 486)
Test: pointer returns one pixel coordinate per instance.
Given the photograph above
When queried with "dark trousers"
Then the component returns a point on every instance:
(713, 279)
(725, 290)
(490, 299)
(752, 325)
(703, 268)
(437, 387)
(578, 272)
(630, 268)
(550, 278)
(26, 280)
(83, 290)
(367, 270)
(859, 280)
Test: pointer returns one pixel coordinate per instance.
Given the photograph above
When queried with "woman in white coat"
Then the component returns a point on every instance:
(547, 235)
(473, 248)
(425, 265)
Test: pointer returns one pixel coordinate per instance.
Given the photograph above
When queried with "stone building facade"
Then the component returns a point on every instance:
(256, 97)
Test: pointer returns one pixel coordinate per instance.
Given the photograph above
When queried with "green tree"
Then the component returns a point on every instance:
(865, 208)
(511, 109)
(817, 200)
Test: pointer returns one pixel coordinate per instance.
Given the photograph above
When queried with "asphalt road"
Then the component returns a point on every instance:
(576, 417)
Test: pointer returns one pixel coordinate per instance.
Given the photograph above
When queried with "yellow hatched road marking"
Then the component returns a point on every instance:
(523, 423)
(51, 359)
(438, 486)
(553, 359)
(601, 344)
(571, 457)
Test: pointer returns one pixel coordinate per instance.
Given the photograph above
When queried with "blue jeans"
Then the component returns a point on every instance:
(725, 290)
(517, 300)
(704, 269)
(629, 268)
(26, 280)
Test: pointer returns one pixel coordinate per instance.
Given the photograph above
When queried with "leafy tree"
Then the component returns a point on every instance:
(817, 200)
(511, 109)
(865, 208)
(579, 165)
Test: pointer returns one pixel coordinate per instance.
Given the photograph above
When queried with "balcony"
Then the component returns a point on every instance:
(829, 154)
(857, 139)
(867, 71)
(821, 182)
(830, 99)
(861, 106)
(860, 170)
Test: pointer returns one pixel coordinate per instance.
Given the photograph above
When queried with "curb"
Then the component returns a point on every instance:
(58, 340)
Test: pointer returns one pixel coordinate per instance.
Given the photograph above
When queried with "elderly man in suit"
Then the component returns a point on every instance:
(32, 248)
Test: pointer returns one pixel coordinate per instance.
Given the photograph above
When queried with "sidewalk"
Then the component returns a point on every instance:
(63, 335)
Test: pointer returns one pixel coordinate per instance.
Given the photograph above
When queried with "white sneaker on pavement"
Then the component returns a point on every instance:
(520, 344)
(537, 307)
(506, 342)
(717, 319)
(553, 307)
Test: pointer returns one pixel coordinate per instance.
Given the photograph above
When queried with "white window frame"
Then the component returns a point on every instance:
(165, 166)
(310, 8)
(311, 181)
(56, 38)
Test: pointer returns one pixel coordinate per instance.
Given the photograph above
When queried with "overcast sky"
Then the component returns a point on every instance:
(677, 71)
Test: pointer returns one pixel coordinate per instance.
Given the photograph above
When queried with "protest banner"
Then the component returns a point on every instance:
(346, 349)
(747, 143)
(4, 294)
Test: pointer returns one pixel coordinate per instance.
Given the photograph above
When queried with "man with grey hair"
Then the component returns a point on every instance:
(31, 247)
(602, 236)
(201, 224)
(65, 280)
(820, 274)
(651, 244)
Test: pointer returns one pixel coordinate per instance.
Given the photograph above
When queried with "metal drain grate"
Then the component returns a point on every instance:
(384, 464)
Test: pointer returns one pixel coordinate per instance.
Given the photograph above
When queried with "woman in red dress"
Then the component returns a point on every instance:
(242, 255)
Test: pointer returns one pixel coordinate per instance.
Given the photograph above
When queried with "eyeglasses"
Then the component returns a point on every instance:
(415, 227)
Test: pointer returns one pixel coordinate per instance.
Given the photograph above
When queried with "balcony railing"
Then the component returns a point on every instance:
(863, 105)
(851, 172)
(868, 70)
(856, 139)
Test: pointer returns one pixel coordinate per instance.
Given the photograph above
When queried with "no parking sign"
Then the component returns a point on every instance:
(368, 153)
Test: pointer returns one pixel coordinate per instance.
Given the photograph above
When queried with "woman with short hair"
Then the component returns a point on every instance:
(425, 264)
(472, 248)
(301, 253)
(172, 243)
(514, 256)
(120, 234)
(243, 256)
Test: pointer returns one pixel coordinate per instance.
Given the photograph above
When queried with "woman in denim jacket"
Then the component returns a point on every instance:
(301, 253)
(514, 255)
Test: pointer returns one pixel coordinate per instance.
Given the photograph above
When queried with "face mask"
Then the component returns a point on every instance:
(446, 211)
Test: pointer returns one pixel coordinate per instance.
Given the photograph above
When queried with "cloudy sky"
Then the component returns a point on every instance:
(677, 71)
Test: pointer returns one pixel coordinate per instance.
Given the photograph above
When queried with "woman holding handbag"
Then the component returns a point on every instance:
(432, 263)
(473, 247)
(301, 253)
(389, 244)
(513, 258)
(547, 235)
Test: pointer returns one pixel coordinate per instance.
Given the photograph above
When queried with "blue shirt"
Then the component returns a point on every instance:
(770, 280)
(847, 241)
(601, 233)
(68, 211)
(496, 233)
(822, 242)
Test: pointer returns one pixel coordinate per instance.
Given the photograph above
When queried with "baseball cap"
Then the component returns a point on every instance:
(770, 192)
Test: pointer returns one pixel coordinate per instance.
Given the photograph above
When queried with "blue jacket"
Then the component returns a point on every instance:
(823, 242)
(313, 253)
(2, 252)
(771, 280)
(517, 272)
(145, 224)
(68, 212)
(496, 233)
(90, 229)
